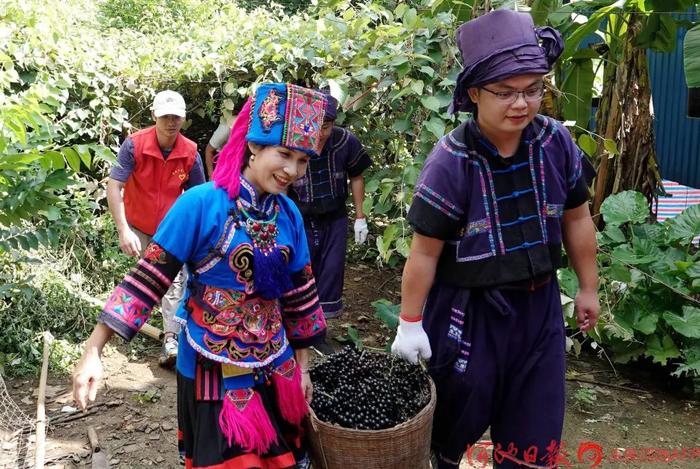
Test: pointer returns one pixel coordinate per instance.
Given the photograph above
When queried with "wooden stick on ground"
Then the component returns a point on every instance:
(40, 408)
(152, 332)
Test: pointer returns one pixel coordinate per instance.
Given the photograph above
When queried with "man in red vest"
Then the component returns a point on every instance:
(155, 165)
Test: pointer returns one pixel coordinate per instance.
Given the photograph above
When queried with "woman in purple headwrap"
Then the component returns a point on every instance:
(497, 197)
(251, 309)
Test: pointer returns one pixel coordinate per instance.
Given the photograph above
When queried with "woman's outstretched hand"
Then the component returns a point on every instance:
(88, 371)
(86, 379)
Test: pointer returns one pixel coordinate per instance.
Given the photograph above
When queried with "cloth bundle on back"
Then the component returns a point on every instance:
(251, 308)
(495, 200)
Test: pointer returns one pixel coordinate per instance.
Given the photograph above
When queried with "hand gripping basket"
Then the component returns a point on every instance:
(405, 446)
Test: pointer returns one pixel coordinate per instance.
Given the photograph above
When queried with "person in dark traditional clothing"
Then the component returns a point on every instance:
(251, 309)
(321, 194)
(497, 197)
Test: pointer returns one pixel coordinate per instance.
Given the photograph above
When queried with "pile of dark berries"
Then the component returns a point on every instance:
(367, 390)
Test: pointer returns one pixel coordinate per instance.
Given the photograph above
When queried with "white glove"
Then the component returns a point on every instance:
(411, 342)
(361, 230)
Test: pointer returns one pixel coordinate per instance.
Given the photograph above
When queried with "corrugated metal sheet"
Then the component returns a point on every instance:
(677, 136)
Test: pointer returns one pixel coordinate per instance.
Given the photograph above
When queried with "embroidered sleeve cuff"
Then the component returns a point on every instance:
(313, 341)
(301, 310)
(125, 313)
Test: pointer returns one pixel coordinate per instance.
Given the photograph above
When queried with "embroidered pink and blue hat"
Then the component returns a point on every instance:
(277, 114)
(288, 115)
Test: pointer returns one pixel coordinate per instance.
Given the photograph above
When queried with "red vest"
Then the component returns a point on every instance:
(155, 182)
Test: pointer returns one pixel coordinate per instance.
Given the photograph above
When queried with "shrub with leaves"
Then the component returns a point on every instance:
(650, 285)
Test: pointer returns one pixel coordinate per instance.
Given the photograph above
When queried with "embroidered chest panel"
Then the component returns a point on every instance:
(236, 326)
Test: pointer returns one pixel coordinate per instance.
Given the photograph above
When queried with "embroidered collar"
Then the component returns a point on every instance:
(259, 205)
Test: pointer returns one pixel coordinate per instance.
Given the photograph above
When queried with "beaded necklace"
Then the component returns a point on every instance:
(262, 232)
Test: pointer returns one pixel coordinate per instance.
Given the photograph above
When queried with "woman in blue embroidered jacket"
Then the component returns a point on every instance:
(497, 197)
(251, 309)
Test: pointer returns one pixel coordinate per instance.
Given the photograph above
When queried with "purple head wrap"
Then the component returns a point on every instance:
(500, 45)
(331, 107)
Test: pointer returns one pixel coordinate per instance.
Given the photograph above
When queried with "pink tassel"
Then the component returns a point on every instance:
(243, 419)
(230, 162)
(290, 396)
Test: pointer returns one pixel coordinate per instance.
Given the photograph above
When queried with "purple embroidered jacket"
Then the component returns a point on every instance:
(324, 187)
(500, 217)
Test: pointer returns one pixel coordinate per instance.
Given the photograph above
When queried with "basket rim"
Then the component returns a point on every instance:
(428, 408)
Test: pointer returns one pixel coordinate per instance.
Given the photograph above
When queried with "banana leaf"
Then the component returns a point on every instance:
(691, 62)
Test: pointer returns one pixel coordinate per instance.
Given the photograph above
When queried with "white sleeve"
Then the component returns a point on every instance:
(220, 136)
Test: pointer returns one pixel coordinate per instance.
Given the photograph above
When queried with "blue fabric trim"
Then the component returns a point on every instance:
(524, 246)
(515, 194)
(519, 220)
(511, 169)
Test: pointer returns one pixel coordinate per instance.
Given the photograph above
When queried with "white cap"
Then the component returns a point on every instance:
(168, 102)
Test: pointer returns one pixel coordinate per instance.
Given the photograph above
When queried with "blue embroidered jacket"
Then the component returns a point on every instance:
(223, 317)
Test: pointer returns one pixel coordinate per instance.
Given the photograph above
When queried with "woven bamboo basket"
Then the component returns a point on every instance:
(405, 446)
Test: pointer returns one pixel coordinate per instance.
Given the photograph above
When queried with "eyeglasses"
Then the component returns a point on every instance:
(531, 95)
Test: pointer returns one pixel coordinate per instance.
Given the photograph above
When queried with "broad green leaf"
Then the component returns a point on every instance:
(431, 103)
(72, 158)
(368, 204)
(614, 233)
(18, 130)
(338, 90)
(658, 33)
(84, 154)
(661, 350)
(417, 87)
(436, 126)
(578, 92)
(611, 147)
(694, 270)
(588, 28)
(691, 355)
(568, 282)
(688, 324)
(619, 272)
(628, 255)
(230, 87)
(403, 247)
(401, 125)
(587, 144)
(646, 323)
(53, 213)
(624, 207)
(685, 226)
(540, 10)
(410, 17)
(389, 235)
(387, 312)
(691, 57)
(624, 352)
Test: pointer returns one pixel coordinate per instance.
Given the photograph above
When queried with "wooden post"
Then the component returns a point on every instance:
(40, 409)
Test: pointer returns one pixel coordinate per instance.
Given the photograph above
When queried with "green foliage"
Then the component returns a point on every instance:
(650, 278)
(59, 290)
(585, 399)
(691, 57)
(387, 312)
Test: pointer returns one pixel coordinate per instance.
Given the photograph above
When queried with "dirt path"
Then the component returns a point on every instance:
(135, 412)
